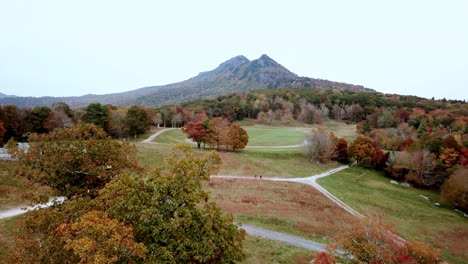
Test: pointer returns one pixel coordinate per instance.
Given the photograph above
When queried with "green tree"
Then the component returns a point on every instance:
(422, 128)
(96, 114)
(37, 118)
(11, 122)
(137, 121)
(366, 128)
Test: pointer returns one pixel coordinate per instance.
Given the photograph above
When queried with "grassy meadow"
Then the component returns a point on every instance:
(369, 191)
(267, 136)
(264, 251)
(292, 208)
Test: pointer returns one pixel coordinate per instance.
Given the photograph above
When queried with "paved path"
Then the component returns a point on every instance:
(312, 181)
(152, 137)
(285, 238)
(21, 210)
(189, 141)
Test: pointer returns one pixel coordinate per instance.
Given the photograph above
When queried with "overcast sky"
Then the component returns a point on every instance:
(64, 48)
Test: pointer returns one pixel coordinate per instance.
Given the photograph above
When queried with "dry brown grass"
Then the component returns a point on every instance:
(455, 241)
(297, 208)
(16, 190)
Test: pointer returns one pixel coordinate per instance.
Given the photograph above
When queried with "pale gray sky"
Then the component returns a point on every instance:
(63, 48)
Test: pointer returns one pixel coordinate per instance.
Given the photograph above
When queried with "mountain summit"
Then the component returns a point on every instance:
(235, 75)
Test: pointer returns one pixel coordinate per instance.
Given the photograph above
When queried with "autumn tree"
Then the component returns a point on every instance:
(379, 159)
(95, 238)
(217, 132)
(319, 145)
(324, 258)
(237, 137)
(341, 151)
(76, 161)
(37, 239)
(372, 241)
(455, 189)
(422, 168)
(449, 157)
(2, 131)
(57, 119)
(195, 131)
(363, 150)
(116, 125)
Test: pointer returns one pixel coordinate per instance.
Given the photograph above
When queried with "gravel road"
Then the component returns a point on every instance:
(21, 210)
(285, 238)
(152, 137)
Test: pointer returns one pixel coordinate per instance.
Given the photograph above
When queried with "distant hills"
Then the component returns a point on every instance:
(235, 75)
(2, 95)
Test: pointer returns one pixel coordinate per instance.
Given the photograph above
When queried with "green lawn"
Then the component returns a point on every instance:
(145, 135)
(151, 156)
(171, 137)
(259, 136)
(264, 135)
(415, 218)
(288, 163)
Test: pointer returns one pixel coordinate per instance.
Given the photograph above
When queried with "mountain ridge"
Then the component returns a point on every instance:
(236, 75)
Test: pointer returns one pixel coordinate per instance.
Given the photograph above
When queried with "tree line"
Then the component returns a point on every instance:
(217, 133)
(371, 110)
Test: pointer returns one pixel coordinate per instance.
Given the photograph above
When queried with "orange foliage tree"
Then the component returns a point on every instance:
(372, 241)
(195, 131)
(237, 137)
(341, 151)
(455, 189)
(363, 150)
(217, 132)
(97, 239)
(324, 258)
